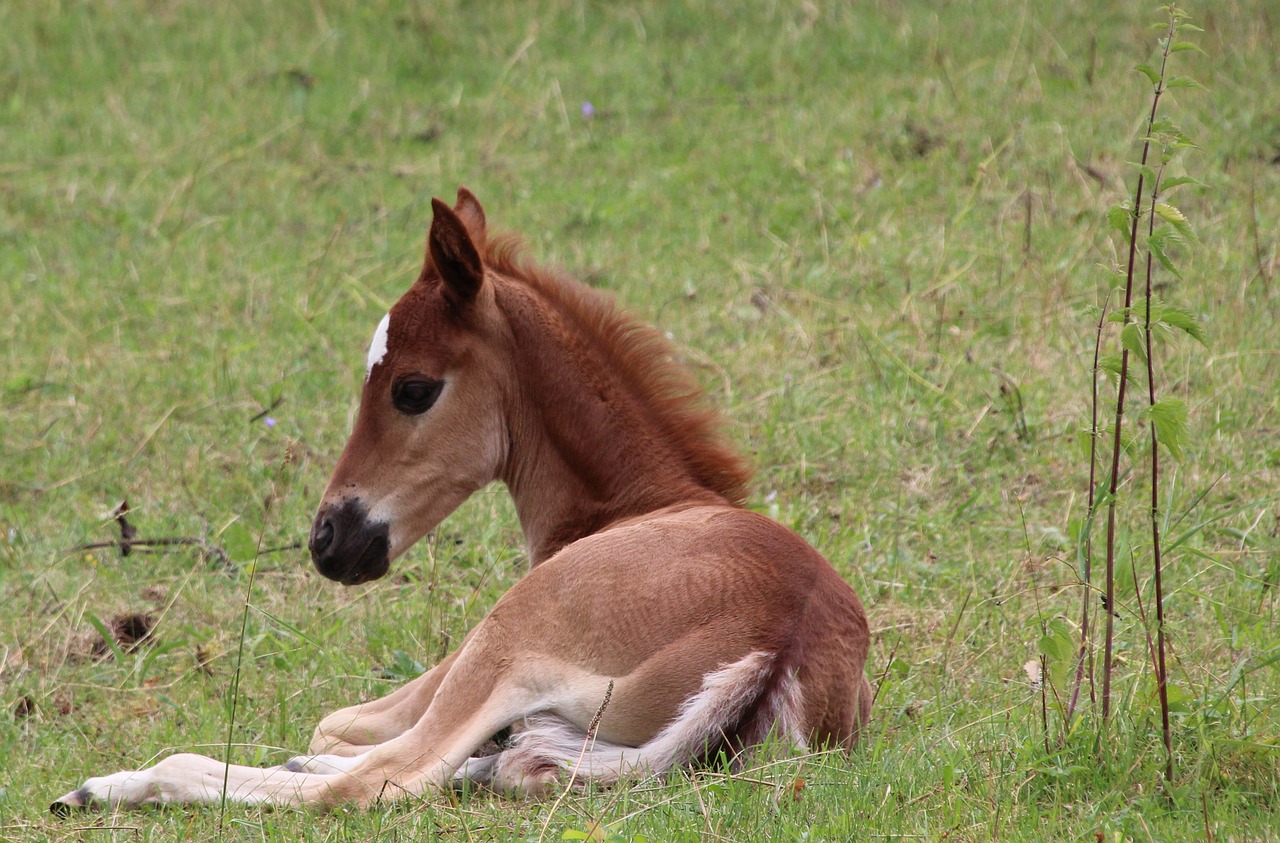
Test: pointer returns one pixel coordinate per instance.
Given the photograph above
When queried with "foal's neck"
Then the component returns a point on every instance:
(586, 450)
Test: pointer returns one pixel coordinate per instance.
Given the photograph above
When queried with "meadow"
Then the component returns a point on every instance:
(876, 231)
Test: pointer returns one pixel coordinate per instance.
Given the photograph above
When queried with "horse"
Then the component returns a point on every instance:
(661, 623)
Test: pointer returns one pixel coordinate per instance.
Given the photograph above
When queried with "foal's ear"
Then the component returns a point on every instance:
(472, 215)
(454, 254)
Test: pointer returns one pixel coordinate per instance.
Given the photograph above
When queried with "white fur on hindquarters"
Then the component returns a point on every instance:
(548, 747)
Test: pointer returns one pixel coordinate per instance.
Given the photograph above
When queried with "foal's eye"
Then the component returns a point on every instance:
(413, 397)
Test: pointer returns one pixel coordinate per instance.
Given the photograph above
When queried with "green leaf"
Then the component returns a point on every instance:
(1084, 438)
(1179, 699)
(1167, 235)
(1123, 570)
(1132, 338)
(1147, 173)
(1177, 181)
(1169, 213)
(1156, 245)
(1170, 136)
(1175, 218)
(1139, 310)
(1056, 643)
(1150, 72)
(1169, 418)
(1184, 82)
(1179, 318)
(1111, 363)
(1180, 46)
(1120, 217)
(402, 667)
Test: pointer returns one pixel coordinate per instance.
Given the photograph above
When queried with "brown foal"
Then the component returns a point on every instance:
(707, 627)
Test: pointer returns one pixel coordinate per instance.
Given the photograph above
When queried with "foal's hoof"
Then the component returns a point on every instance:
(76, 800)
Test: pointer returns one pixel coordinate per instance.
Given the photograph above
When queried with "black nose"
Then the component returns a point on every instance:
(321, 536)
(346, 545)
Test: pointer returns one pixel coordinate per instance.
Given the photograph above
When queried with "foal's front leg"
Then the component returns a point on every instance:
(189, 778)
(469, 706)
(354, 730)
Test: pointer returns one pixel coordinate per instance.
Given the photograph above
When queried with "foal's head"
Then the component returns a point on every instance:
(430, 429)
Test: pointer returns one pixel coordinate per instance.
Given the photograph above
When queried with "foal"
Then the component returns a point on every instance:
(656, 603)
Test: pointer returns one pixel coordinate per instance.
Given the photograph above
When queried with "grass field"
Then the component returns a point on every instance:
(876, 230)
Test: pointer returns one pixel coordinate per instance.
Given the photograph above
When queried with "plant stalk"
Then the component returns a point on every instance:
(1162, 685)
(1107, 659)
(1087, 573)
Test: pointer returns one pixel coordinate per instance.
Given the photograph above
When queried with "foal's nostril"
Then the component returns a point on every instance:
(346, 545)
(321, 536)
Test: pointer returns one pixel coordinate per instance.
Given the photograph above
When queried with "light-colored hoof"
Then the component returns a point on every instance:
(531, 778)
(475, 771)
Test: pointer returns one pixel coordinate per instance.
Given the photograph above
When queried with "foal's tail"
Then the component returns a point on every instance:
(739, 706)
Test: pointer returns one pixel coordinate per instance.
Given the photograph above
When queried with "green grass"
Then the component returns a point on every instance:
(205, 208)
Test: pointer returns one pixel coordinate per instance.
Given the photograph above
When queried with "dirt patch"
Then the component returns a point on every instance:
(128, 631)
(131, 630)
(24, 707)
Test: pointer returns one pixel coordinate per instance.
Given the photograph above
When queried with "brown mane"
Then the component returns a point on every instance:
(646, 361)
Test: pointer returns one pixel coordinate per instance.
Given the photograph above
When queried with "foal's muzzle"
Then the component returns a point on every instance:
(346, 546)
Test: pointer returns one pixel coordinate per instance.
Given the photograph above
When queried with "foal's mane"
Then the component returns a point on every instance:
(645, 360)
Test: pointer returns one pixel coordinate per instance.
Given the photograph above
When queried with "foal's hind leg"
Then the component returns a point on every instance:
(356, 729)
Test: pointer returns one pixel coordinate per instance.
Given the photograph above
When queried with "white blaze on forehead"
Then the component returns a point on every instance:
(378, 348)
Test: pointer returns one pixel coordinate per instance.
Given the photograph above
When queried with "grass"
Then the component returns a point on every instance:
(876, 232)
